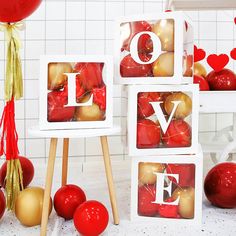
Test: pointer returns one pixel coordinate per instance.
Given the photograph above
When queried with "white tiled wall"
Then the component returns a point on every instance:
(86, 27)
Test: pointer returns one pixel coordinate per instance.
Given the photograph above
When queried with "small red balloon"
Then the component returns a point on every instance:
(178, 134)
(146, 197)
(16, 10)
(130, 68)
(67, 199)
(220, 185)
(2, 203)
(222, 80)
(91, 218)
(27, 168)
(145, 109)
(203, 84)
(148, 134)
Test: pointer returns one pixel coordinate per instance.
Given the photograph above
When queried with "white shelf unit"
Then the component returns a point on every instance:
(202, 4)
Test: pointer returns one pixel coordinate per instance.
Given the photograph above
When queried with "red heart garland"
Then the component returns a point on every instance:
(199, 54)
(217, 62)
(233, 54)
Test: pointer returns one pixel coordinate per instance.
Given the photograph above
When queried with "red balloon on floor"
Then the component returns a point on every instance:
(220, 185)
(27, 168)
(91, 218)
(2, 203)
(67, 199)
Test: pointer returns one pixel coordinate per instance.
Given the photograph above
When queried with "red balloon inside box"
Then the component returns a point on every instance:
(133, 28)
(89, 82)
(186, 174)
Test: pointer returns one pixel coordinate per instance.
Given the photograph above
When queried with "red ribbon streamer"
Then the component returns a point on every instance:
(9, 137)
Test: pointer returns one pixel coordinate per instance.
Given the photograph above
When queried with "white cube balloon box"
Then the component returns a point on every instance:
(162, 119)
(167, 189)
(154, 49)
(75, 92)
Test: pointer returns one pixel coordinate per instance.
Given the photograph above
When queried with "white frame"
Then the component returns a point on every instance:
(108, 79)
(196, 159)
(177, 78)
(133, 91)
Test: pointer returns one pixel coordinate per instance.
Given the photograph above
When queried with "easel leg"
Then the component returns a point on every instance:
(65, 161)
(48, 186)
(107, 162)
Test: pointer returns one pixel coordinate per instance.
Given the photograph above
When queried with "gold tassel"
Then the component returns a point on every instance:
(14, 78)
(14, 182)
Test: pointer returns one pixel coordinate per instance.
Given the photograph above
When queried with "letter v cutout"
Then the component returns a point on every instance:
(161, 117)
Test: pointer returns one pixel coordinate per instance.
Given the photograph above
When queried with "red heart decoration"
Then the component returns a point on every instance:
(199, 54)
(217, 62)
(233, 54)
(235, 20)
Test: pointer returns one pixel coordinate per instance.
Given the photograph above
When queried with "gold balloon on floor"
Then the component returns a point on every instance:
(164, 65)
(29, 205)
(199, 69)
(164, 29)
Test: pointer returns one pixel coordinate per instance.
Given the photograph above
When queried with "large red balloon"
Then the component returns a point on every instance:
(16, 10)
(67, 199)
(2, 203)
(222, 80)
(220, 185)
(27, 168)
(91, 218)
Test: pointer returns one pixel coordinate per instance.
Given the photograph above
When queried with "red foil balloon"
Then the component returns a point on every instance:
(220, 185)
(2, 203)
(67, 199)
(16, 10)
(91, 218)
(27, 168)
(148, 134)
(222, 80)
(178, 134)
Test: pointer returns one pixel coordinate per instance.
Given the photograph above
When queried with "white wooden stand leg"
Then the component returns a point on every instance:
(111, 187)
(65, 161)
(48, 186)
